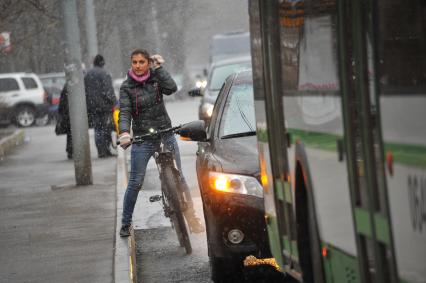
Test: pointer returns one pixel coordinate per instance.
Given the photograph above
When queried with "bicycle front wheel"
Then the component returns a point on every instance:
(170, 187)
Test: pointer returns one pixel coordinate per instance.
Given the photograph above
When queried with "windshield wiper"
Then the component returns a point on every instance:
(238, 135)
(243, 115)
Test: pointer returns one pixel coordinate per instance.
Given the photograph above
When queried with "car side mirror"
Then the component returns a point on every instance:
(195, 92)
(194, 131)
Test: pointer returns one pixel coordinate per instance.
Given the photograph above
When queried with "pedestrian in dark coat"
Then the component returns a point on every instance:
(101, 100)
(64, 119)
(142, 106)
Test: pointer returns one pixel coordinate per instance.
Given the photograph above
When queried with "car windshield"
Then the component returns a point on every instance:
(238, 117)
(57, 82)
(220, 73)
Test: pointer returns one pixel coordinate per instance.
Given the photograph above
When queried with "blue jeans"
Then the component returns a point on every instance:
(140, 155)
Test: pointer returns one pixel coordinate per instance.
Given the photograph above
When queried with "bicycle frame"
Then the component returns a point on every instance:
(173, 199)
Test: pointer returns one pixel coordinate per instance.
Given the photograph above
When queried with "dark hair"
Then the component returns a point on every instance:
(142, 52)
(99, 61)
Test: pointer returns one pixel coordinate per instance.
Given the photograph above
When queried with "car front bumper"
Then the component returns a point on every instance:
(224, 212)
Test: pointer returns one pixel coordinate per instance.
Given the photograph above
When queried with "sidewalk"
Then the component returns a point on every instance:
(51, 230)
(10, 138)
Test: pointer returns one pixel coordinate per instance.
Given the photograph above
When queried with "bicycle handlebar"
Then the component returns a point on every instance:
(159, 133)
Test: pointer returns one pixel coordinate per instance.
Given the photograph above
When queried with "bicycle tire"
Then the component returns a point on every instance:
(170, 186)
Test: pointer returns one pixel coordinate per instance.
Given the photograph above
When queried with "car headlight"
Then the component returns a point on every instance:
(237, 184)
(200, 83)
(207, 109)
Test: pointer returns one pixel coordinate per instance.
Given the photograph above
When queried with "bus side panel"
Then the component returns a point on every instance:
(404, 134)
(329, 176)
(313, 115)
(401, 69)
(339, 266)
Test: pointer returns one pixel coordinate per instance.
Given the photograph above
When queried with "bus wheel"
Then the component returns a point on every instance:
(309, 244)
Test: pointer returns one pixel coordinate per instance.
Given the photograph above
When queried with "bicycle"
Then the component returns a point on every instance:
(173, 200)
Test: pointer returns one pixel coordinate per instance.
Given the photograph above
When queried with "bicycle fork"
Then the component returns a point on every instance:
(167, 157)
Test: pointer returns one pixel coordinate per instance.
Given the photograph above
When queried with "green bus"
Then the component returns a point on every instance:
(340, 101)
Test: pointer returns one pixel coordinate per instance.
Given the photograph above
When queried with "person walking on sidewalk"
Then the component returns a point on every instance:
(141, 104)
(64, 126)
(100, 99)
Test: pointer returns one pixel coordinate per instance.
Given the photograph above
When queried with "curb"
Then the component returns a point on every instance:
(125, 248)
(7, 144)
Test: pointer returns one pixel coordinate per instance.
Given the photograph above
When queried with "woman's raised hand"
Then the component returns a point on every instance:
(157, 60)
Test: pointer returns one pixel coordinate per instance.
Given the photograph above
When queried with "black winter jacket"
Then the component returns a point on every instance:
(63, 110)
(143, 102)
(100, 95)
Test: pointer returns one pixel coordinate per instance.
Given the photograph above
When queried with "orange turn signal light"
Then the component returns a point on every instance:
(324, 251)
(221, 183)
(184, 138)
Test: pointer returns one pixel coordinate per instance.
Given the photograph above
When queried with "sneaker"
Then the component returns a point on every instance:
(195, 225)
(125, 230)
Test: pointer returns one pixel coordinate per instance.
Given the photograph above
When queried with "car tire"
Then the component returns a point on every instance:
(25, 116)
(43, 121)
(226, 269)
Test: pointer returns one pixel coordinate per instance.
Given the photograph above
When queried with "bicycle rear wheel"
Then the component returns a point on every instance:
(170, 187)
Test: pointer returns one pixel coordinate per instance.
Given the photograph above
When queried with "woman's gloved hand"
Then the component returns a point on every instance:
(157, 60)
(125, 140)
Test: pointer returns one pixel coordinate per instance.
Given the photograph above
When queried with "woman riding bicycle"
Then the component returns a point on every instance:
(141, 104)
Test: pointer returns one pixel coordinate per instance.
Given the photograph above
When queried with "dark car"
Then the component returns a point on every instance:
(53, 96)
(229, 179)
(53, 84)
(217, 74)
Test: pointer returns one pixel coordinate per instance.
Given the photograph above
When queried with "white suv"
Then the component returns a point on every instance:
(23, 99)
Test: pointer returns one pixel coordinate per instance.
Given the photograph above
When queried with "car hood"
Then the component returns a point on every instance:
(238, 155)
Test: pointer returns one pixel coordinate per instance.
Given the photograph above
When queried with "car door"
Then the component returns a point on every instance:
(9, 90)
(205, 153)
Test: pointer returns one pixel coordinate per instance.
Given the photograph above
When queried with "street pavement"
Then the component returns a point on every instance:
(51, 230)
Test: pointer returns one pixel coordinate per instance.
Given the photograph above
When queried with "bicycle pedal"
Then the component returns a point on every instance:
(155, 198)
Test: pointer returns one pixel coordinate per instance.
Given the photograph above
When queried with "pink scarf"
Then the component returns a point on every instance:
(137, 78)
(140, 79)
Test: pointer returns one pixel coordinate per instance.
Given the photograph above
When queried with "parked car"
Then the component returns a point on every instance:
(53, 83)
(53, 80)
(217, 75)
(4, 114)
(24, 97)
(229, 179)
(53, 97)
